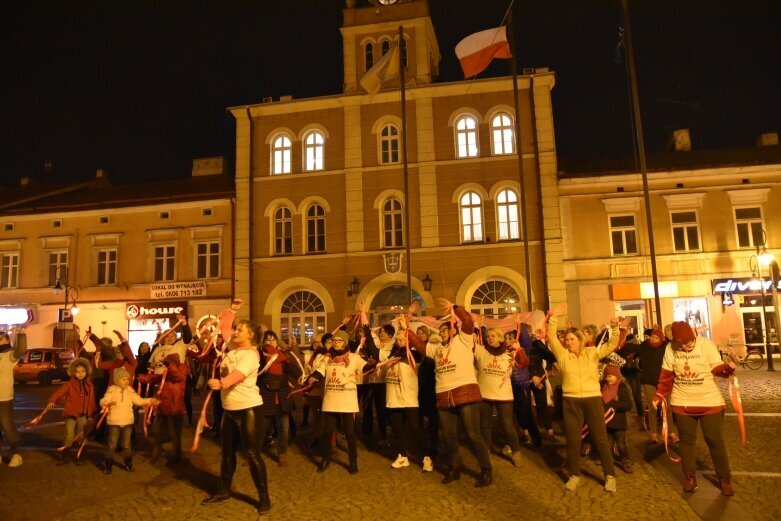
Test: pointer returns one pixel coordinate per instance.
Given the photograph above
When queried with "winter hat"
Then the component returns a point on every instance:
(120, 373)
(342, 334)
(658, 333)
(325, 338)
(389, 329)
(612, 369)
(682, 332)
(79, 362)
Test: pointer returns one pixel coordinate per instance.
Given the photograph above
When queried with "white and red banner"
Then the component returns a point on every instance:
(476, 51)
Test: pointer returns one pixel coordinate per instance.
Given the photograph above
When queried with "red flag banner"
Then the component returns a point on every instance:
(476, 51)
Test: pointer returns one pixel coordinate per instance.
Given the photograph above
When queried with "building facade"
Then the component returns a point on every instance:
(320, 197)
(127, 258)
(712, 212)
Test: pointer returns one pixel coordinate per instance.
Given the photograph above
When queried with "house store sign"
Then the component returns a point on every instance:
(156, 309)
(740, 286)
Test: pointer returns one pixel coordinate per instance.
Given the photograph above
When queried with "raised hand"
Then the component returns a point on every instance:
(413, 308)
(119, 336)
(445, 304)
(181, 319)
(558, 310)
(614, 322)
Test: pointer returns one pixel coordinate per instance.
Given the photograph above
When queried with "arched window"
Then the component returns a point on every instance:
(392, 228)
(389, 145)
(303, 315)
(314, 146)
(368, 55)
(471, 217)
(385, 46)
(507, 215)
(466, 137)
(495, 299)
(283, 231)
(502, 134)
(315, 229)
(404, 52)
(392, 301)
(281, 148)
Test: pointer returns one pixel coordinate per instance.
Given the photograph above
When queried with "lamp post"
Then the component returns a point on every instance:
(756, 261)
(71, 296)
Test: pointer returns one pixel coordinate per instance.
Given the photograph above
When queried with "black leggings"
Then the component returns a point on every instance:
(541, 401)
(243, 425)
(397, 417)
(470, 416)
(505, 412)
(281, 423)
(522, 406)
(376, 402)
(329, 428)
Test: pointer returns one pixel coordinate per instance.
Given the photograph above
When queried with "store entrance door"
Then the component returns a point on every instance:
(754, 327)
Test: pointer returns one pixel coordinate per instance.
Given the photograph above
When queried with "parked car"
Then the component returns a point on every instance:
(43, 364)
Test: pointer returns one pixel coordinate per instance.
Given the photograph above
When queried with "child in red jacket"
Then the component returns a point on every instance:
(171, 409)
(79, 407)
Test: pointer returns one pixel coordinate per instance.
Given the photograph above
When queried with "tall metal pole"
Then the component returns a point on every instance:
(630, 56)
(774, 290)
(766, 329)
(405, 165)
(519, 154)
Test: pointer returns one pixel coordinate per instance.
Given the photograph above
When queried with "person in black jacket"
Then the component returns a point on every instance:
(537, 355)
(617, 396)
(651, 353)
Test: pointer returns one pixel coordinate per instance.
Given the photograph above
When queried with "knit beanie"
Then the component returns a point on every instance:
(682, 332)
(343, 335)
(119, 373)
(612, 369)
(658, 333)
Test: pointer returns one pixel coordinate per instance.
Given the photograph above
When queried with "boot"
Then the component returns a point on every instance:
(129, 465)
(264, 502)
(107, 466)
(486, 478)
(63, 457)
(689, 482)
(626, 464)
(454, 474)
(282, 460)
(324, 463)
(353, 468)
(725, 483)
(222, 495)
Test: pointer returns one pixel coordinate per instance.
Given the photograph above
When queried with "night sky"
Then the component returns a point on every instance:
(140, 88)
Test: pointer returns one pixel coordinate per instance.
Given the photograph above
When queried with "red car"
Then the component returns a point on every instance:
(43, 364)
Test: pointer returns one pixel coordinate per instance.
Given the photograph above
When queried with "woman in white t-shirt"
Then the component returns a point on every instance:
(242, 417)
(341, 372)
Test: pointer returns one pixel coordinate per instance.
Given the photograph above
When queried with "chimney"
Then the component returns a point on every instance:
(286, 97)
(767, 139)
(680, 140)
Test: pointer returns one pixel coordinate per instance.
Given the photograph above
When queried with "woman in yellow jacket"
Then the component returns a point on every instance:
(579, 367)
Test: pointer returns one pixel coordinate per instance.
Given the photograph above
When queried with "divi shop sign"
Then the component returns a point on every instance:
(156, 309)
(740, 286)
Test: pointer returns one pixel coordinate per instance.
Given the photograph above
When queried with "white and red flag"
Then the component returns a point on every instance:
(476, 51)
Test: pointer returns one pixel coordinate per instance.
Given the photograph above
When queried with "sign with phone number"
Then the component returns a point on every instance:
(178, 290)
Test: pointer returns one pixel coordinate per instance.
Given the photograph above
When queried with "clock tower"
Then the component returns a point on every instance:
(372, 26)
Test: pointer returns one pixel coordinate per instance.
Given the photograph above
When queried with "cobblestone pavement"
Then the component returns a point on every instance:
(39, 490)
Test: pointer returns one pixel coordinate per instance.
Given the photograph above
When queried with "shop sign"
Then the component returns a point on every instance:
(156, 309)
(15, 316)
(744, 285)
(178, 290)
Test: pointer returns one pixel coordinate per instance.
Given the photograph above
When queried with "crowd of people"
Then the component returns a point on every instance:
(435, 382)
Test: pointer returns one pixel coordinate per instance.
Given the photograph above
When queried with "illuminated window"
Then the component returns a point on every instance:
(502, 134)
(314, 146)
(208, 260)
(303, 316)
(466, 137)
(164, 263)
(389, 145)
(686, 231)
(623, 235)
(315, 229)
(9, 275)
(748, 222)
(495, 299)
(392, 228)
(281, 151)
(507, 215)
(58, 264)
(471, 217)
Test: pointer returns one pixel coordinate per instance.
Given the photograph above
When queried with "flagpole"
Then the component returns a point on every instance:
(638, 124)
(405, 165)
(519, 153)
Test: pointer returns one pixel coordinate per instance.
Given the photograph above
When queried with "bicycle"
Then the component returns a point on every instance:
(752, 357)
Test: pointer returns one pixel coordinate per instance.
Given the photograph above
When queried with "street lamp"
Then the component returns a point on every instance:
(763, 258)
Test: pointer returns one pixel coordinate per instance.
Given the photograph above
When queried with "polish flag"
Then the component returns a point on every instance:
(476, 51)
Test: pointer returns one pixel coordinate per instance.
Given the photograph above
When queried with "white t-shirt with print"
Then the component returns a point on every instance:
(244, 394)
(161, 352)
(694, 384)
(454, 363)
(493, 374)
(340, 382)
(378, 375)
(401, 386)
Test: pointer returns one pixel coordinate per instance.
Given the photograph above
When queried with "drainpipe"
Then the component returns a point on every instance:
(250, 278)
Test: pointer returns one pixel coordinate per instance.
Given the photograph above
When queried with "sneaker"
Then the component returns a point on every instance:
(516, 457)
(16, 461)
(401, 461)
(572, 483)
(610, 483)
(507, 451)
(428, 465)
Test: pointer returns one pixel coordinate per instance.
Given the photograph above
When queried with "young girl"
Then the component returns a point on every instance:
(79, 394)
(616, 395)
(120, 399)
